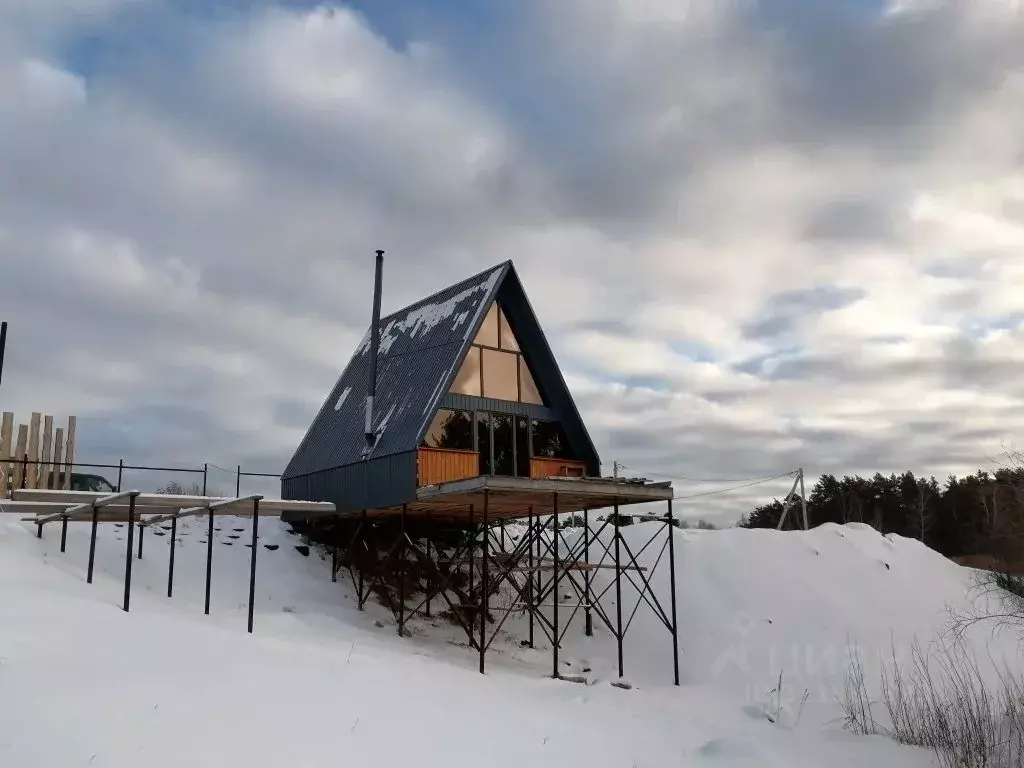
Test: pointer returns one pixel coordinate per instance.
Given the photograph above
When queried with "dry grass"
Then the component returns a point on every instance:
(940, 700)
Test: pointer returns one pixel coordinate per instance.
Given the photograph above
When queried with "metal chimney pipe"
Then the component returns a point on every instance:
(371, 388)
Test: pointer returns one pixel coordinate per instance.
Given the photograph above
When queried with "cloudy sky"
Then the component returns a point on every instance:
(760, 234)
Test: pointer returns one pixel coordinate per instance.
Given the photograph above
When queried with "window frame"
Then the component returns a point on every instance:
(516, 356)
(521, 363)
(451, 411)
(530, 455)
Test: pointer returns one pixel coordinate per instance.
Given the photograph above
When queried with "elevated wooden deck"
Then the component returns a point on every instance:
(510, 498)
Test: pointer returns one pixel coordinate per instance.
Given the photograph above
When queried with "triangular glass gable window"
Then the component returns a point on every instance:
(495, 366)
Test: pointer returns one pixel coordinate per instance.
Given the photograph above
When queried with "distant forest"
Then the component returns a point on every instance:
(981, 514)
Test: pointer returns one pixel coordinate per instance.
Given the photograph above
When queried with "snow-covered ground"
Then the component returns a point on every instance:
(322, 684)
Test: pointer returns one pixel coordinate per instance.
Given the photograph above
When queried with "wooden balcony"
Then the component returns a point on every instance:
(545, 467)
(441, 465)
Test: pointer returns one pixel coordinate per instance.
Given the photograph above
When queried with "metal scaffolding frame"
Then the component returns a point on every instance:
(413, 563)
(157, 508)
(409, 564)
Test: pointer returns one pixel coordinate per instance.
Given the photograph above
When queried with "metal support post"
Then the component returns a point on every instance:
(209, 560)
(483, 586)
(252, 559)
(238, 482)
(472, 548)
(120, 472)
(401, 574)
(334, 561)
(618, 590)
(537, 539)
(63, 532)
(142, 530)
(589, 617)
(128, 553)
(39, 531)
(429, 582)
(92, 543)
(170, 559)
(24, 476)
(531, 533)
(206, 469)
(360, 598)
(555, 594)
(672, 592)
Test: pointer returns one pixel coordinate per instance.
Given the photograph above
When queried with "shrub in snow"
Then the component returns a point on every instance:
(779, 709)
(942, 700)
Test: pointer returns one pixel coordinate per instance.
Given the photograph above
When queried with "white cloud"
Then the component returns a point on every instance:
(189, 243)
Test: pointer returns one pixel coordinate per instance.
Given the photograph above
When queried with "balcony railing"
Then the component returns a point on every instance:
(443, 465)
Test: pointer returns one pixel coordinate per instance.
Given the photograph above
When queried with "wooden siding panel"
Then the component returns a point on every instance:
(438, 465)
(545, 467)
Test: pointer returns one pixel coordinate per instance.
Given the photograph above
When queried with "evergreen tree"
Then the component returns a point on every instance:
(981, 514)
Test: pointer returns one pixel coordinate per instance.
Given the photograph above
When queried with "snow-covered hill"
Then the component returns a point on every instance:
(322, 684)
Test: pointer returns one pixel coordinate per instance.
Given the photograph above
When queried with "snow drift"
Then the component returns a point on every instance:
(322, 684)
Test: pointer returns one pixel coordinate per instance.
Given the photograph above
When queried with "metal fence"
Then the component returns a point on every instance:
(208, 479)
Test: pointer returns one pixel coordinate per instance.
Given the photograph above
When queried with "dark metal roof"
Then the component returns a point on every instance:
(421, 349)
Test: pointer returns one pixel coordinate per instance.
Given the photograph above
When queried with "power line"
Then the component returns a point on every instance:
(708, 479)
(735, 487)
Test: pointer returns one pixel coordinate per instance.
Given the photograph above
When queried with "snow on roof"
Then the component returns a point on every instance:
(420, 319)
(342, 398)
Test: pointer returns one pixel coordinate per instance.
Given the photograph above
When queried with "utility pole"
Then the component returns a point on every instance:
(798, 481)
(3, 346)
(803, 497)
(615, 464)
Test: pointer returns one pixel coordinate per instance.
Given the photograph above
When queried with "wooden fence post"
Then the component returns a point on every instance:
(69, 452)
(33, 450)
(6, 429)
(58, 457)
(19, 451)
(45, 455)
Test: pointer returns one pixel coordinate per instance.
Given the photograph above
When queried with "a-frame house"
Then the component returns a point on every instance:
(466, 387)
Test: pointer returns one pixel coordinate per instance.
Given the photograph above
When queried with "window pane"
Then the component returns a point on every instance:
(549, 440)
(508, 340)
(500, 375)
(483, 442)
(527, 387)
(522, 447)
(488, 334)
(468, 380)
(452, 430)
(504, 459)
